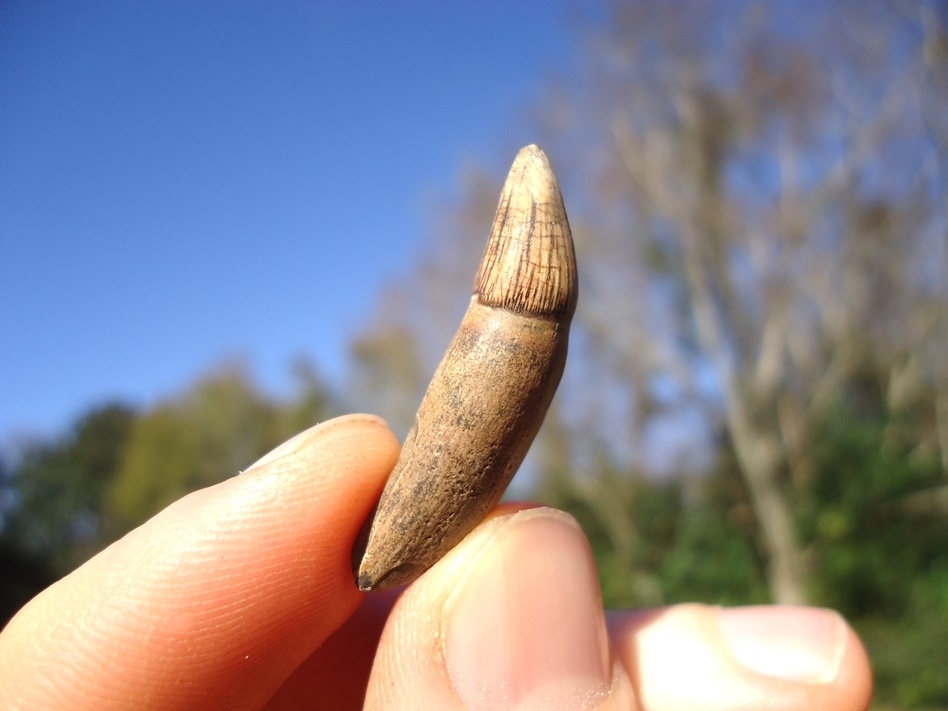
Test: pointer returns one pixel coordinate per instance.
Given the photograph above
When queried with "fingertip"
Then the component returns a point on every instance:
(804, 644)
(763, 656)
(343, 427)
(525, 622)
(221, 595)
(510, 618)
(855, 675)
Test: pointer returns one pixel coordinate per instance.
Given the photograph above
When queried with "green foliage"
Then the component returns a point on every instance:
(667, 541)
(52, 501)
(879, 557)
(714, 556)
(712, 562)
(216, 429)
(387, 375)
(59, 487)
(313, 402)
(625, 517)
(868, 514)
(23, 576)
(63, 500)
(909, 650)
(864, 543)
(159, 466)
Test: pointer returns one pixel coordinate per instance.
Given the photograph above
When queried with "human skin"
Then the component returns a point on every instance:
(241, 596)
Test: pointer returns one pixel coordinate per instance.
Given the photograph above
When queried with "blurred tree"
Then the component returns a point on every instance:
(64, 499)
(160, 466)
(56, 489)
(218, 427)
(313, 401)
(23, 576)
(878, 542)
(51, 503)
(394, 357)
(766, 190)
(386, 375)
(756, 400)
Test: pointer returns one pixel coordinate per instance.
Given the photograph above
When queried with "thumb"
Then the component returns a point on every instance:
(511, 618)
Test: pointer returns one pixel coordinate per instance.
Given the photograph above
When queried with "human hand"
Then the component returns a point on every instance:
(241, 596)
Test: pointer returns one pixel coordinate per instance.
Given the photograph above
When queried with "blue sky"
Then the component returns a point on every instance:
(187, 182)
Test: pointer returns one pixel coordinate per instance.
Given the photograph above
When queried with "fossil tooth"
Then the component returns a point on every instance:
(491, 391)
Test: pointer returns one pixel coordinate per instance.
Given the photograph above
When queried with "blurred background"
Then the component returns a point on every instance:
(224, 222)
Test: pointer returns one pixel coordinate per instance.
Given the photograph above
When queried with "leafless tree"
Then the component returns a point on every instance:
(781, 177)
(758, 197)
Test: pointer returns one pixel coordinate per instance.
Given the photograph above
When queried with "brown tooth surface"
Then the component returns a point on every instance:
(491, 391)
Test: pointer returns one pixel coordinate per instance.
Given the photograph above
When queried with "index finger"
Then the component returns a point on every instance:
(214, 601)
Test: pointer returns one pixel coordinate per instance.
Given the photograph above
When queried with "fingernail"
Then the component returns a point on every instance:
(802, 644)
(306, 437)
(524, 628)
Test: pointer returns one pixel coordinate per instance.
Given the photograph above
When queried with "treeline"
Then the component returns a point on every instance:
(871, 519)
(63, 500)
(755, 405)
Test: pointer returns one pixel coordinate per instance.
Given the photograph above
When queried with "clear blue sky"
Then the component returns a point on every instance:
(185, 182)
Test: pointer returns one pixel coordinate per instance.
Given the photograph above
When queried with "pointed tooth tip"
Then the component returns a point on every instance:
(529, 265)
(531, 151)
(532, 173)
(534, 150)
